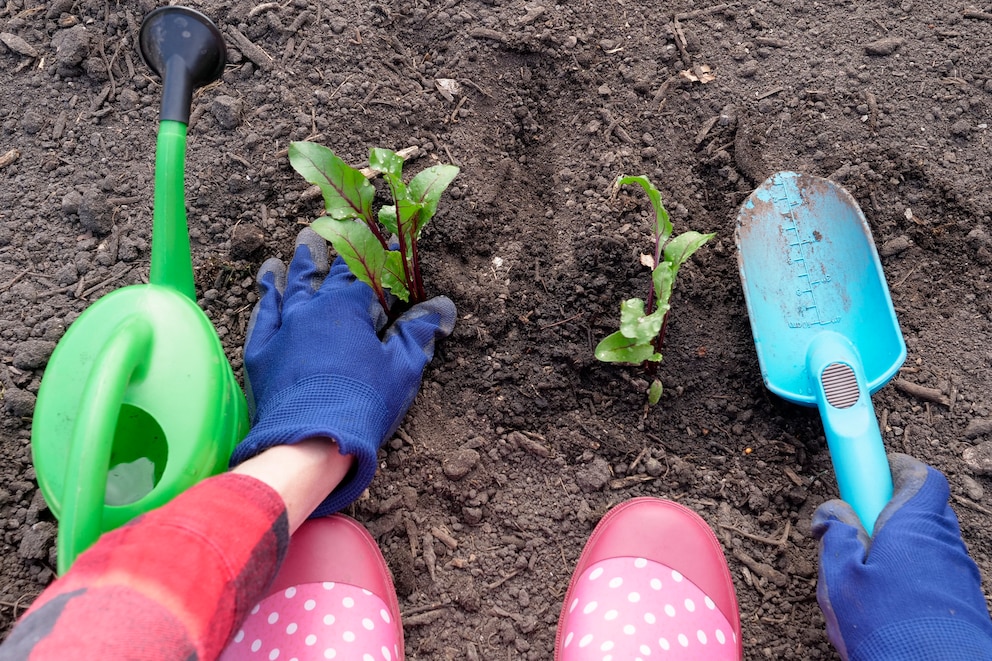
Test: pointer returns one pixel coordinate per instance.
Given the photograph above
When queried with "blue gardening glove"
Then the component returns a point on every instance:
(912, 591)
(316, 367)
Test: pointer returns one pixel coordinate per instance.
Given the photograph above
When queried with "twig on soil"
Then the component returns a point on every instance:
(665, 88)
(979, 15)
(872, 110)
(426, 608)
(110, 74)
(375, 88)
(265, 6)
(100, 98)
(771, 92)
(563, 321)
(13, 281)
(299, 22)
(705, 130)
(638, 458)
(470, 83)
(486, 33)
(423, 618)
(15, 605)
(922, 392)
(905, 277)
(516, 617)
(103, 283)
(971, 504)
(453, 118)
(629, 481)
(680, 39)
(761, 569)
(250, 50)
(772, 42)
(451, 159)
(445, 538)
(430, 559)
(791, 474)
(338, 88)
(411, 533)
(764, 540)
(507, 577)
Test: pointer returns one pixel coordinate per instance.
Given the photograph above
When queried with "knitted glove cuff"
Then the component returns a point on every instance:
(933, 638)
(324, 406)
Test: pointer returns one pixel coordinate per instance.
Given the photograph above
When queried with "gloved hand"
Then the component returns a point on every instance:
(315, 366)
(912, 591)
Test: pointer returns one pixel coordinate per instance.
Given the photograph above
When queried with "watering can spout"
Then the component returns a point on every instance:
(186, 50)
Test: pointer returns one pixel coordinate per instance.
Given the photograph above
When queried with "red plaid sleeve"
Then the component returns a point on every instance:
(171, 585)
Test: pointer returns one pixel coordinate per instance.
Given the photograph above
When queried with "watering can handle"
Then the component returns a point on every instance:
(93, 438)
(855, 442)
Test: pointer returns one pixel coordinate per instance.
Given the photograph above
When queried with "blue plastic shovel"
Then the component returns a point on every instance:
(822, 319)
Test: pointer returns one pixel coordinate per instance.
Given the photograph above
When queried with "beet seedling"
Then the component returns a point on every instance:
(379, 248)
(642, 322)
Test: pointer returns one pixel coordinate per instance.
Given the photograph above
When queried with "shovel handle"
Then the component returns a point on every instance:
(92, 438)
(853, 436)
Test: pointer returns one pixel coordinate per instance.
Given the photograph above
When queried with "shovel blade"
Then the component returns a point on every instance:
(808, 264)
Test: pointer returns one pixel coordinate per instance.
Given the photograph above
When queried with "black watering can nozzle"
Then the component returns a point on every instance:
(186, 50)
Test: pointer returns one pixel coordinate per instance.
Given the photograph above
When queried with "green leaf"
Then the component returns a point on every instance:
(426, 188)
(386, 161)
(392, 276)
(681, 247)
(663, 278)
(654, 392)
(358, 246)
(617, 348)
(387, 216)
(347, 193)
(636, 325)
(407, 223)
(663, 224)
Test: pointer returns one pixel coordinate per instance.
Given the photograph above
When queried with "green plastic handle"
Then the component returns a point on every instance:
(120, 359)
(172, 265)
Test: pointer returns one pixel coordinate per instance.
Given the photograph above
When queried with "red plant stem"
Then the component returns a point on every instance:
(417, 275)
(401, 231)
(374, 226)
(382, 301)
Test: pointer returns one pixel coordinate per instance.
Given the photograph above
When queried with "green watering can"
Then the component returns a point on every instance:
(138, 401)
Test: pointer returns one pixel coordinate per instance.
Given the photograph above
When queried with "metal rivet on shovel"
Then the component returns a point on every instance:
(822, 319)
(138, 401)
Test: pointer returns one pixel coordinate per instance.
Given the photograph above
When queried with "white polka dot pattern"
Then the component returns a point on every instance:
(317, 620)
(604, 623)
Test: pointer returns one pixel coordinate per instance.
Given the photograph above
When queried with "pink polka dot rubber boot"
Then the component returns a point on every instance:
(332, 599)
(651, 583)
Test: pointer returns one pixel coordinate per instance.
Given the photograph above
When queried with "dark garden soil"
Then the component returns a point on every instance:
(520, 439)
